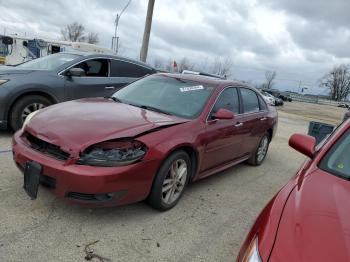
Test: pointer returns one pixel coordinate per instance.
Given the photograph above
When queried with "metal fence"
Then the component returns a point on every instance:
(314, 99)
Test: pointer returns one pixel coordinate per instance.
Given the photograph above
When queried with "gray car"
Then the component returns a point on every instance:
(60, 77)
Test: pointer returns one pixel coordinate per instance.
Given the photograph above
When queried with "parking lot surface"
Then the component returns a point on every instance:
(208, 224)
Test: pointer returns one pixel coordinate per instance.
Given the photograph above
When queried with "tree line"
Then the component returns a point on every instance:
(75, 32)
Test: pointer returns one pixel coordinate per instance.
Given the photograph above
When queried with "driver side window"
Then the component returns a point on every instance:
(229, 100)
(95, 67)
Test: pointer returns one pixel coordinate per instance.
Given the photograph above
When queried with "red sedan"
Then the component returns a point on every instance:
(145, 142)
(309, 219)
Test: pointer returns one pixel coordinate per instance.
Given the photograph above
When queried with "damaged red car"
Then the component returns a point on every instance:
(148, 141)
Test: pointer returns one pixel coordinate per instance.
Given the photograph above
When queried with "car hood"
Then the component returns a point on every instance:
(10, 70)
(315, 225)
(75, 125)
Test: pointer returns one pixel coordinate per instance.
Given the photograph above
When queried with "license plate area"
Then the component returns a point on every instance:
(32, 173)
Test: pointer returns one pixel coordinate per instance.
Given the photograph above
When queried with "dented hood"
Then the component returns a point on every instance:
(75, 125)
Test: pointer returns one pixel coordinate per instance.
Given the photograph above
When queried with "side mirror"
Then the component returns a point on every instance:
(304, 144)
(75, 72)
(223, 113)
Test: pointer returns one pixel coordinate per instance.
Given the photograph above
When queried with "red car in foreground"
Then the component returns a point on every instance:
(145, 142)
(309, 219)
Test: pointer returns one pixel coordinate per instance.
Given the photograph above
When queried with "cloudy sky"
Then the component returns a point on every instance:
(300, 40)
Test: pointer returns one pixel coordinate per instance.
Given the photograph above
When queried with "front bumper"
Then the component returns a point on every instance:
(75, 183)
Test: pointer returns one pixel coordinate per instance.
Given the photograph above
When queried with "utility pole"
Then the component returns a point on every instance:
(147, 32)
(299, 86)
(115, 38)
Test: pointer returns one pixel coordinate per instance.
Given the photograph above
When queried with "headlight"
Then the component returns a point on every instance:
(3, 81)
(113, 153)
(28, 118)
(252, 252)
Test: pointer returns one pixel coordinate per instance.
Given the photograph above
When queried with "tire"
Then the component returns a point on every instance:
(157, 198)
(29, 103)
(256, 159)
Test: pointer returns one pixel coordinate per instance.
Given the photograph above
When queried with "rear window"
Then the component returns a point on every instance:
(250, 101)
(337, 160)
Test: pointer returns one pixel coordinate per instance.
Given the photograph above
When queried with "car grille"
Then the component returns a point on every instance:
(46, 148)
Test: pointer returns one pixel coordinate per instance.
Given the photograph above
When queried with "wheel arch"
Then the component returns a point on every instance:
(270, 132)
(192, 153)
(45, 94)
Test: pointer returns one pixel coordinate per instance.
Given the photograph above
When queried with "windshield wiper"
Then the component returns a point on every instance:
(154, 109)
(115, 99)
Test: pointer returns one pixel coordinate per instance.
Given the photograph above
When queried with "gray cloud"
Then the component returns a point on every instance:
(334, 13)
(311, 37)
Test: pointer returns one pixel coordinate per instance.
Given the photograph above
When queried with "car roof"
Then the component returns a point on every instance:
(208, 80)
(112, 56)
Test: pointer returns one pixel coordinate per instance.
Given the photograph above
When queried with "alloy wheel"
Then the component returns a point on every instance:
(30, 109)
(262, 150)
(174, 181)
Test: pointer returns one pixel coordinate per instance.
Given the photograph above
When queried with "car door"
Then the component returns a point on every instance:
(254, 119)
(223, 137)
(95, 83)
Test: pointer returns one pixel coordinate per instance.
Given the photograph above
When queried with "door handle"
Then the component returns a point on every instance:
(238, 124)
(109, 87)
(263, 119)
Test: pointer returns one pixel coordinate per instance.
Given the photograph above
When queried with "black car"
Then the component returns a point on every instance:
(278, 94)
(60, 77)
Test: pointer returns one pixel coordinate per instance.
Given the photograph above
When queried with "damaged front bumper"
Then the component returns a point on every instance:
(94, 186)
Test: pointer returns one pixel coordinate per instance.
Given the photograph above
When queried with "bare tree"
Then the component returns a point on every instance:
(338, 82)
(270, 77)
(185, 64)
(73, 32)
(92, 38)
(222, 66)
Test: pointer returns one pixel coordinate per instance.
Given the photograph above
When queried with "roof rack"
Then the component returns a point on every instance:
(202, 74)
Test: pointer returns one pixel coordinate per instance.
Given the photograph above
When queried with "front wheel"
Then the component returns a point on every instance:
(170, 181)
(23, 107)
(260, 153)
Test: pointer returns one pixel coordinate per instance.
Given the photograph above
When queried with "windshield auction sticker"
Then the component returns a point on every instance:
(191, 88)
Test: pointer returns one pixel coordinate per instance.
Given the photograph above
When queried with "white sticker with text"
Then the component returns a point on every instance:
(191, 88)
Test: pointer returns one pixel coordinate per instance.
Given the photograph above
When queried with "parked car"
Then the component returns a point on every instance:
(60, 77)
(146, 142)
(278, 94)
(279, 102)
(308, 219)
(344, 105)
(271, 100)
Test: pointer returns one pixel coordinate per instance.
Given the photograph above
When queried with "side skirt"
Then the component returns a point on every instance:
(220, 168)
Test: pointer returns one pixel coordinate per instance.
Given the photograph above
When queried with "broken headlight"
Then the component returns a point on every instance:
(113, 153)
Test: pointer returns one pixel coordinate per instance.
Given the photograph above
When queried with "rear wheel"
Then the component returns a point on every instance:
(170, 181)
(24, 107)
(260, 153)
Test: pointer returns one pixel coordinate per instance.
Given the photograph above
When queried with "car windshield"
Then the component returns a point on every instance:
(49, 62)
(337, 160)
(167, 94)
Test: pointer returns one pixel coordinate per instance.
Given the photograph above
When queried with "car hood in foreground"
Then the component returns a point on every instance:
(315, 225)
(75, 125)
